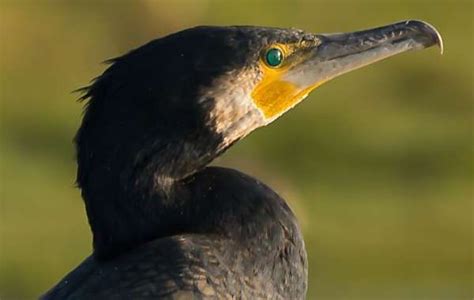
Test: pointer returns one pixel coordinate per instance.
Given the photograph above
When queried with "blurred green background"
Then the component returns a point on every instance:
(377, 164)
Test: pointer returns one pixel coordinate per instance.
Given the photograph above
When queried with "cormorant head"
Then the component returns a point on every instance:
(172, 105)
(163, 111)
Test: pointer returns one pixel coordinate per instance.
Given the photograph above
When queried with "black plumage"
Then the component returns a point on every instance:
(240, 240)
(159, 217)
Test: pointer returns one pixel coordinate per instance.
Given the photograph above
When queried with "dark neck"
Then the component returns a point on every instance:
(140, 197)
(255, 224)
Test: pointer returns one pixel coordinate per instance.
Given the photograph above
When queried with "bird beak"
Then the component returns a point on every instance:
(339, 53)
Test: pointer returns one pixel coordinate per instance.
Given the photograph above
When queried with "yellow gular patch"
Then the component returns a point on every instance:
(273, 96)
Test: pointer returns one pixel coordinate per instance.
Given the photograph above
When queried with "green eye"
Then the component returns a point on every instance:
(274, 57)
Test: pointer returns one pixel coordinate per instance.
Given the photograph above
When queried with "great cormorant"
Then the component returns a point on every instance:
(166, 226)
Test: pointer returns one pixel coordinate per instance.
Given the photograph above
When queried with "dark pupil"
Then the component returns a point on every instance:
(274, 57)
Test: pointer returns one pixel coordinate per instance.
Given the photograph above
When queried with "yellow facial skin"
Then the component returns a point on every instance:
(273, 95)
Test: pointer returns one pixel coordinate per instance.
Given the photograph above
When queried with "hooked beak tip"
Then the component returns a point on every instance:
(431, 30)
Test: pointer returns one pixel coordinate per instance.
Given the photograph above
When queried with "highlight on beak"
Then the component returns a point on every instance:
(340, 53)
(412, 34)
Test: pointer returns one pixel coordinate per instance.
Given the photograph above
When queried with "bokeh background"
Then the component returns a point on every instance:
(377, 164)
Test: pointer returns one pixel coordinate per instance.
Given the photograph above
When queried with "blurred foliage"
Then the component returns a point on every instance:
(376, 164)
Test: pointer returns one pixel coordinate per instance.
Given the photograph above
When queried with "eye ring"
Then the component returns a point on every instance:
(274, 57)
